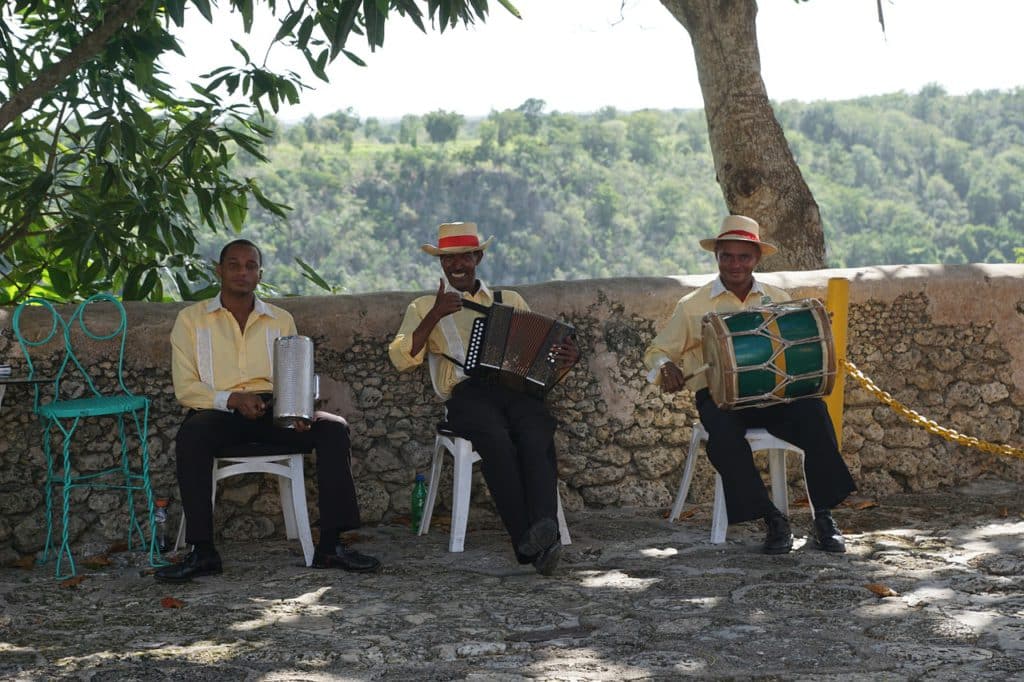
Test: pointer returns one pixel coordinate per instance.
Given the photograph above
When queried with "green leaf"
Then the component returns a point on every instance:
(204, 8)
(61, 282)
(289, 24)
(354, 58)
(312, 275)
(241, 50)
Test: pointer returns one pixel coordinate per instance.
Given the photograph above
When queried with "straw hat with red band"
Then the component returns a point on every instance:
(456, 238)
(739, 228)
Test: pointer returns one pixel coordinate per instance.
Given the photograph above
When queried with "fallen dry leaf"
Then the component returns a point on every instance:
(117, 548)
(27, 562)
(801, 501)
(96, 561)
(72, 582)
(688, 513)
(1004, 512)
(865, 504)
(882, 590)
(171, 603)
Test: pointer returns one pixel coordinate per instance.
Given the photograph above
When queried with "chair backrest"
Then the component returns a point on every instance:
(69, 358)
(118, 336)
(57, 324)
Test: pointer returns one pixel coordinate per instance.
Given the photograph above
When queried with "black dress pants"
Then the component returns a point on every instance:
(205, 433)
(804, 423)
(514, 435)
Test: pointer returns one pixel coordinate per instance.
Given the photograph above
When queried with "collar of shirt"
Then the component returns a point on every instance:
(717, 288)
(482, 295)
(260, 308)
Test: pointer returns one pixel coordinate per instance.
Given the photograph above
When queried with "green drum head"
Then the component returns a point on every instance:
(802, 358)
(750, 351)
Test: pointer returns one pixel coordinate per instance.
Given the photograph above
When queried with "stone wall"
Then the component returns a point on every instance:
(944, 340)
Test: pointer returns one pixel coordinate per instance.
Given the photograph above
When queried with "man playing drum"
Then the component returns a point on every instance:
(512, 431)
(221, 355)
(675, 358)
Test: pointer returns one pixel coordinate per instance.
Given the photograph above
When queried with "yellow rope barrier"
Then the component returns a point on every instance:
(920, 420)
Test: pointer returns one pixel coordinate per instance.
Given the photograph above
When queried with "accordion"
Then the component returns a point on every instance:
(513, 348)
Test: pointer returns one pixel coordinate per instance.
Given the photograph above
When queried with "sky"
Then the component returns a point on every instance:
(581, 55)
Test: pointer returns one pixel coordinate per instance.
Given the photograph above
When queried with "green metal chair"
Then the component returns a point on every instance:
(63, 415)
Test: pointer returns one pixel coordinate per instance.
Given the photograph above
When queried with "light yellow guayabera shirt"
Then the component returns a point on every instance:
(680, 340)
(211, 358)
(449, 337)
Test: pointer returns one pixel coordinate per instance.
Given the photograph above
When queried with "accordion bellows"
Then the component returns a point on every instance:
(513, 348)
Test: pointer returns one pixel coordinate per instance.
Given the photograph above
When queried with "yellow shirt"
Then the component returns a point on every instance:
(449, 337)
(211, 358)
(681, 341)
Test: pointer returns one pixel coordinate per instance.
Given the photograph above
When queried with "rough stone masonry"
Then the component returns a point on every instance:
(944, 340)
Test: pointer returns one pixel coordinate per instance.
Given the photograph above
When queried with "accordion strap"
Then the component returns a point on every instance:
(485, 309)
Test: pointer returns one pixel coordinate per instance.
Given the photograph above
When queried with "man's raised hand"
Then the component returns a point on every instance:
(672, 378)
(446, 302)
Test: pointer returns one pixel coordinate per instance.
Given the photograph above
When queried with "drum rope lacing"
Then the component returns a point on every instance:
(920, 420)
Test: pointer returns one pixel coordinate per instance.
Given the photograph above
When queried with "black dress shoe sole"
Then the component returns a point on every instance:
(778, 550)
(336, 564)
(178, 580)
(832, 547)
(547, 561)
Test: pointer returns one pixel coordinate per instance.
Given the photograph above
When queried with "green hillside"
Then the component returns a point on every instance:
(925, 178)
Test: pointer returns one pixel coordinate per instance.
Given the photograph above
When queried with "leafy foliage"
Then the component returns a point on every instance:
(107, 176)
(924, 178)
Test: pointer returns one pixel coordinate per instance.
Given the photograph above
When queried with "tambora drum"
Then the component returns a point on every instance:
(769, 354)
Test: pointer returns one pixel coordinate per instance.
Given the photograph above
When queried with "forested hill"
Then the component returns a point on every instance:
(925, 178)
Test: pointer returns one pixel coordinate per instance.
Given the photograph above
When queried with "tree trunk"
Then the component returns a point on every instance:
(753, 164)
(91, 45)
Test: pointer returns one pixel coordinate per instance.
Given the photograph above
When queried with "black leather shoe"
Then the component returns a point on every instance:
(538, 538)
(779, 539)
(827, 535)
(347, 559)
(194, 565)
(547, 561)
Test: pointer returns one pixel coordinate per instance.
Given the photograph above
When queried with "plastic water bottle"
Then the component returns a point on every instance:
(419, 499)
(160, 519)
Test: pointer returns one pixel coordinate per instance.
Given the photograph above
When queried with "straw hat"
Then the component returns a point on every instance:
(456, 238)
(739, 228)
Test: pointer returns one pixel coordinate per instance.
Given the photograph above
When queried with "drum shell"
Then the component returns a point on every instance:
(294, 381)
(769, 354)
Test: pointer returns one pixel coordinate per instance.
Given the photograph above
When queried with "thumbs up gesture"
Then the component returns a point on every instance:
(446, 302)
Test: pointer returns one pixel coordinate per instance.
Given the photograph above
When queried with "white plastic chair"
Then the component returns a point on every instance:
(463, 458)
(291, 483)
(759, 439)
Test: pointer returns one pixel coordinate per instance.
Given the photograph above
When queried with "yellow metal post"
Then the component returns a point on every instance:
(837, 302)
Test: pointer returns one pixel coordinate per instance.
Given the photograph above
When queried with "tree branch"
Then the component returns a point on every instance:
(90, 46)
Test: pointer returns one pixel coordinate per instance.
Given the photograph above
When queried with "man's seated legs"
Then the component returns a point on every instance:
(807, 424)
(206, 433)
(336, 490)
(514, 435)
(745, 495)
(201, 437)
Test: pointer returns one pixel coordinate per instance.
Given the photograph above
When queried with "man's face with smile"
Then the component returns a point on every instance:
(736, 262)
(460, 269)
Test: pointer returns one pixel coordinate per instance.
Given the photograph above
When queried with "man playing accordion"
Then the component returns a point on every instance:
(675, 359)
(512, 431)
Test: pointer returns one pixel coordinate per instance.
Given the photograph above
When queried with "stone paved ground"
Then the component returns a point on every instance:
(634, 599)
